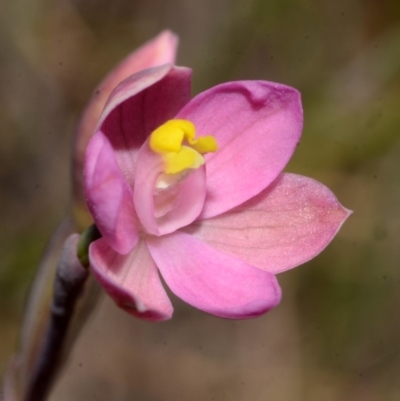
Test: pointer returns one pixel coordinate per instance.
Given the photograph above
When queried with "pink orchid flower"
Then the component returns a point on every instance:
(194, 189)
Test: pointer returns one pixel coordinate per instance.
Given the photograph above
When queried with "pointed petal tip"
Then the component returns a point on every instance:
(345, 214)
(284, 226)
(169, 37)
(348, 212)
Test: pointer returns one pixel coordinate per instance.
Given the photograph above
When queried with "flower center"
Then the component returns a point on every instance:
(170, 178)
(181, 152)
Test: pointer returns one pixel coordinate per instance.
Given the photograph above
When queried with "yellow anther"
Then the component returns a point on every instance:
(175, 140)
(205, 144)
(175, 162)
(169, 136)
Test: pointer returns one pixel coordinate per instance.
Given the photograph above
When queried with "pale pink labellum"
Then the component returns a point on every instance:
(131, 280)
(211, 280)
(287, 224)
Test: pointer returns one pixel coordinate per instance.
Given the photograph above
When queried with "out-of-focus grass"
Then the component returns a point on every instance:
(336, 333)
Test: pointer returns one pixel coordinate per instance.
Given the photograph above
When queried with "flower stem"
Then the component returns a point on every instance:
(69, 281)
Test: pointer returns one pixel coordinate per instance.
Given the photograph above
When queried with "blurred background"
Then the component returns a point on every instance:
(336, 335)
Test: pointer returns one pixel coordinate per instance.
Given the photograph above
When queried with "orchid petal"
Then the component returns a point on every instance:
(132, 281)
(287, 224)
(158, 51)
(211, 280)
(109, 197)
(138, 106)
(257, 126)
(162, 211)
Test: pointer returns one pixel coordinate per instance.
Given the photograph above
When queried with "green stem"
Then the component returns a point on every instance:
(87, 237)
